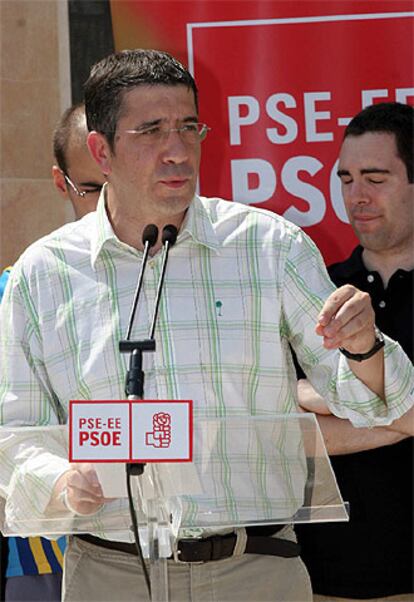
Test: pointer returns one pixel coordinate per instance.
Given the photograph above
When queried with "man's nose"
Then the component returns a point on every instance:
(174, 149)
(356, 193)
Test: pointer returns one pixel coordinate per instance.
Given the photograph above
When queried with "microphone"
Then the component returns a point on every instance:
(149, 239)
(134, 387)
(169, 237)
(150, 235)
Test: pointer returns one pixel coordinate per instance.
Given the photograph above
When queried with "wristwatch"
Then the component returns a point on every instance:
(360, 357)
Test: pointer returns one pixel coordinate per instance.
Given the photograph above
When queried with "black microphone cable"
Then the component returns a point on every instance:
(132, 512)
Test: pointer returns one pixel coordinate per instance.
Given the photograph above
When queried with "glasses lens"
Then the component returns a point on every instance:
(190, 133)
(92, 190)
(82, 192)
(193, 132)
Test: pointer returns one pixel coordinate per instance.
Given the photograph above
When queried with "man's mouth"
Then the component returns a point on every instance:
(364, 219)
(174, 182)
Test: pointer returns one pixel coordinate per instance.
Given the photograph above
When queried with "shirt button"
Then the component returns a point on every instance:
(370, 278)
(382, 304)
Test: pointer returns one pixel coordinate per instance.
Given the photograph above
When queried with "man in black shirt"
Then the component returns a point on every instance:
(371, 557)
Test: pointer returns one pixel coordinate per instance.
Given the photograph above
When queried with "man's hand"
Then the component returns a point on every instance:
(78, 490)
(347, 320)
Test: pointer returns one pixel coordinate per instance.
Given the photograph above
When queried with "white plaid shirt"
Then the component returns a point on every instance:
(241, 284)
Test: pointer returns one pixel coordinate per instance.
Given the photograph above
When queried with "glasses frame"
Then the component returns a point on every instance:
(81, 193)
(167, 131)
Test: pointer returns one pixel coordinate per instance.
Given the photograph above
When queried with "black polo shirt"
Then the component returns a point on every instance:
(372, 555)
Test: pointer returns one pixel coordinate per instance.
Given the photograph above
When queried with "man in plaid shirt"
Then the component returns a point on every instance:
(265, 276)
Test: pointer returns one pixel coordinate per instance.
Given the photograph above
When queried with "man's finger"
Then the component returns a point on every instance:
(78, 480)
(351, 317)
(334, 302)
(81, 495)
(349, 321)
(88, 471)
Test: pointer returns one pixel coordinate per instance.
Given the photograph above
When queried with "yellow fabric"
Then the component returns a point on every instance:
(58, 553)
(39, 555)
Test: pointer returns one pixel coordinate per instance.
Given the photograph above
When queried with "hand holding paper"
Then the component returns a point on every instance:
(78, 490)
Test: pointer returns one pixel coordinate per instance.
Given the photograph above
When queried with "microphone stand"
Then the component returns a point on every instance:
(134, 382)
(134, 390)
(134, 385)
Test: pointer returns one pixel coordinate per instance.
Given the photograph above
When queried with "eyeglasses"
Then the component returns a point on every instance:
(190, 133)
(82, 193)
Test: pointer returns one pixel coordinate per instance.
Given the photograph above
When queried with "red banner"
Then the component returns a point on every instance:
(278, 82)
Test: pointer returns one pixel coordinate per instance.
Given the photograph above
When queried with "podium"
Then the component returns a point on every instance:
(246, 471)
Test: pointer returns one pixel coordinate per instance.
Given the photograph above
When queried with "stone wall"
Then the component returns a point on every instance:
(34, 90)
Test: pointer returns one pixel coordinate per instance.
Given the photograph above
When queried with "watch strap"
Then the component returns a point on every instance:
(360, 357)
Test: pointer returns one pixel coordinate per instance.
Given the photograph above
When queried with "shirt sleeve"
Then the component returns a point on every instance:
(306, 286)
(32, 461)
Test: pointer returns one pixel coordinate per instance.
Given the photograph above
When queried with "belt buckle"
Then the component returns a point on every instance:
(176, 552)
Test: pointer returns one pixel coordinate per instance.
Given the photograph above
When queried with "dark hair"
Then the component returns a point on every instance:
(65, 129)
(111, 77)
(392, 118)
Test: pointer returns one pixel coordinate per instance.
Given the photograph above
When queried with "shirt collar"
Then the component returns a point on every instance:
(103, 231)
(197, 224)
(354, 265)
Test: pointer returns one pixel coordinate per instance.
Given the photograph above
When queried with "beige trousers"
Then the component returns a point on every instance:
(400, 598)
(95, 574)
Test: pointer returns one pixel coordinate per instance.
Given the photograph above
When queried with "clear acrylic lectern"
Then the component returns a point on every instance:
(246, 471)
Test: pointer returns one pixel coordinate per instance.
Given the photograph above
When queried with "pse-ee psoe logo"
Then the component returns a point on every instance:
(130, 431)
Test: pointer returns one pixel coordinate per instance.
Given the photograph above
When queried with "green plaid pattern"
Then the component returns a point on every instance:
(241, 284)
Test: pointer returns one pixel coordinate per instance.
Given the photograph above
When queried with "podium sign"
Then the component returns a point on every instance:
(130, 431)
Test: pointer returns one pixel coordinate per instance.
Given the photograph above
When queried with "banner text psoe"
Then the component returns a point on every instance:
(277, 94)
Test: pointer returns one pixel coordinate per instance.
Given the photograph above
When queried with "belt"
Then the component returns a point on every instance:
(216, 547)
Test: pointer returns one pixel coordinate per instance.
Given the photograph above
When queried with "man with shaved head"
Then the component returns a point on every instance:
(76, 175)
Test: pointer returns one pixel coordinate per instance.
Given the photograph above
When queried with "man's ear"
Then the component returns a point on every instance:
(59, 181)
(100, 151)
